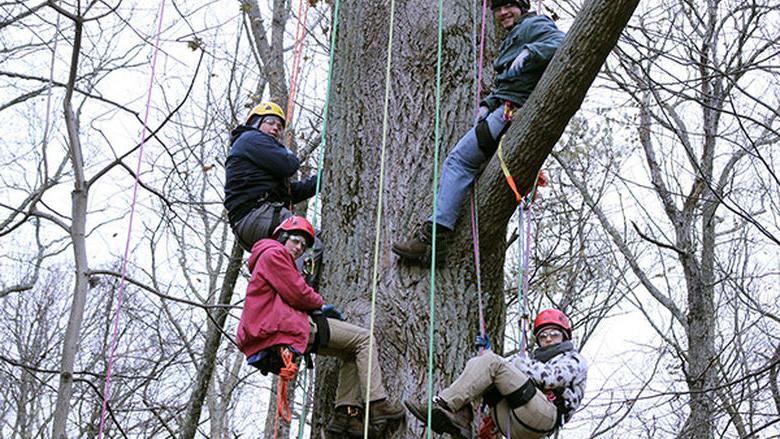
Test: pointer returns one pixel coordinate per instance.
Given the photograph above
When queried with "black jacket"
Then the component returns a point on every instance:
(258, 167)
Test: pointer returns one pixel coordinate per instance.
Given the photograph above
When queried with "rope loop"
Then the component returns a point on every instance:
(286, 374)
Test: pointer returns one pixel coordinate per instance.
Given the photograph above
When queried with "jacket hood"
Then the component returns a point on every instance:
(239, 130)
(261, 247)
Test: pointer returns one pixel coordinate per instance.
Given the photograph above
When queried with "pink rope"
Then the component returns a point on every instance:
(473, 199)
(481, 57)
(121, 289)
(473, 203)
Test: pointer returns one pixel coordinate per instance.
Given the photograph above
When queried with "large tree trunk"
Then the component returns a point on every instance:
(352, 181)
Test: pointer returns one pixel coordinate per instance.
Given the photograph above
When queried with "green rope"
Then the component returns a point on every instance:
(375, 276)
(431, 308)
(325, 111)
(307, 383)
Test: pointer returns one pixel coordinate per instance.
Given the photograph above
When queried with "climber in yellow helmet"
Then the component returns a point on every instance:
(258, 171)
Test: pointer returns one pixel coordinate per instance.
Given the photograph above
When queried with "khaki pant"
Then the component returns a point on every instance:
(350, 344)
(488, 370)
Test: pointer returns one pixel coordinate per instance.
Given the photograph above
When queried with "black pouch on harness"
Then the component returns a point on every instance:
(485, 140)
(322, 337)
(268, 361)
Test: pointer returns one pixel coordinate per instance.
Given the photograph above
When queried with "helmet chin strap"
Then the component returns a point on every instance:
(257, 122)
(283, 237)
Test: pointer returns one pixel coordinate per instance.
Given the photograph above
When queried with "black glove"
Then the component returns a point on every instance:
(331, 312)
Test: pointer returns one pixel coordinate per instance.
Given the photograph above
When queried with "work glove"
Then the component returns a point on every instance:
(481, 114)
(482, 342)
(331, 312)
(518, 63)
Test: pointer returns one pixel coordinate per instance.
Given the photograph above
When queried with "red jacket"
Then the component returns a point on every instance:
(277, 301)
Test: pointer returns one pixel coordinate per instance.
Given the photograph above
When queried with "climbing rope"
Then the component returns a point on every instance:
(475, 213)
(121, 288)
(300, 31)
(286, 374)
(473, 197)
(431, 308)
(325, 109)
(375, 275)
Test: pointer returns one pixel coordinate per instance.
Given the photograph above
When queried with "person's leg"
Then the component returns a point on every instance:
(533, 420)
(480, 373)
(350, 343)
(260, 223)
(461, 168)
(459, 171)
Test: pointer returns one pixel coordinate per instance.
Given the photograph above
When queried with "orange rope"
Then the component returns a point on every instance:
(487, 430)
(286, 374)
(300, 31)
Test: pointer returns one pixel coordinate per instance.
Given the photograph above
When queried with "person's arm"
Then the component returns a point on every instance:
(545, 38)
(558, 373)
(269, 155)
(303, 189)
(277, 268)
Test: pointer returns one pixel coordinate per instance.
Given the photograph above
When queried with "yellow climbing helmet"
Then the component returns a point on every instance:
(267, 109)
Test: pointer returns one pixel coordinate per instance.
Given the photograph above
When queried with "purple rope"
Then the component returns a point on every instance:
(121, 289)
(473, 200)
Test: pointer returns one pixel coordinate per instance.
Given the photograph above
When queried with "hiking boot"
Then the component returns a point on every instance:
(346, 420)
(383, 410)
(443, 419)
(382, 415)
(418, 247)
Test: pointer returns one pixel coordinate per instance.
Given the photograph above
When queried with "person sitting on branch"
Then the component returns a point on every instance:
(530, 43)
(529, 397)
(282, 312)
(258, 190)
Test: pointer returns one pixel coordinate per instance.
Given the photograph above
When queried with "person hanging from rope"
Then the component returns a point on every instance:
(540, 392)
(258, 190)
(524, 53)
(282, 312)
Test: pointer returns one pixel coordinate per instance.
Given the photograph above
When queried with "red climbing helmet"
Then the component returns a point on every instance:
(552, 317)
(295, 224)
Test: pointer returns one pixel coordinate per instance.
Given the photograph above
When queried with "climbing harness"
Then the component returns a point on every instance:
(123, 275)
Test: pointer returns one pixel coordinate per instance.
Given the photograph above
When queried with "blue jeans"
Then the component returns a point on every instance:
(460, 170)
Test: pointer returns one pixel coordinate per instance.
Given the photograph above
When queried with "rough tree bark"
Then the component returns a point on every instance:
(351, 179)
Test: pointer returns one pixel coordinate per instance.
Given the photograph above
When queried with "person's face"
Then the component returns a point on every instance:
(507, 15)
(272, 126)
(296, 245)
(549, 337)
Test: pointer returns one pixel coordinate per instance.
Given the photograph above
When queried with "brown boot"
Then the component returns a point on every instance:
(443, 419)
(384, 410)
(418, 247)
(346, 420)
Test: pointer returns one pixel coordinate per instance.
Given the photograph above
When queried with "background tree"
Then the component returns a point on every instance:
(696, 76)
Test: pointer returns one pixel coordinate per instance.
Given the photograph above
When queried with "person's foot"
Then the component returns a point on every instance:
(346, 420)
(418, 247)
(443, 419)
(384, 410)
